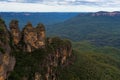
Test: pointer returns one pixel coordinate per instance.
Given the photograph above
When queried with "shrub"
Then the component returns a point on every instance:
(2, 50)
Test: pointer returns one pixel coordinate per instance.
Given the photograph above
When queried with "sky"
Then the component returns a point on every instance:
(59, 5)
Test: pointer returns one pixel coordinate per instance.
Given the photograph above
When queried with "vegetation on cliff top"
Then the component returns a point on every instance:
(2, 50)
(28, 63)
(2, 21)
(93, 63)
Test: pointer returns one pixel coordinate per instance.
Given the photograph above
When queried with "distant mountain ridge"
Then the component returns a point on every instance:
(101, 13)
(105, 13)
(101, 28)
(49, 18)
(31, 55)
(36, 17)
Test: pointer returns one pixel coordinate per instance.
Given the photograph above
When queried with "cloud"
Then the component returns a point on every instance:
(22, 1)
(59, 5)
(70, 2)
(31, 7)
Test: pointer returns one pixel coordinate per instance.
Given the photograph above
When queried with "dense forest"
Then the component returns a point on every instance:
(93, 63)
(101, 30)
(88, 63)
(84, 47)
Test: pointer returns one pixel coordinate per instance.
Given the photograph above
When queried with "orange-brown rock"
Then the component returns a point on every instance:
(2, 78)
(15, 32)
(7, 62)
(34, 38)
(40, 29)
(62, 51)
(28, 40)
(37, 76)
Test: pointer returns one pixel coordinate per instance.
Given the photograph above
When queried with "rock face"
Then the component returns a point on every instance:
(28, 40)
(15, 32)
(34, 38)
(104, 13)
(40, 29)
(58, 58)
(7, 61)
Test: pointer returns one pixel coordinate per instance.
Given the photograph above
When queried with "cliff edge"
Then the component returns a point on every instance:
(29, 55)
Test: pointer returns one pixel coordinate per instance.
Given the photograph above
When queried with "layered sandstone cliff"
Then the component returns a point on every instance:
(34, 38)
(27, 41)
(7, 61)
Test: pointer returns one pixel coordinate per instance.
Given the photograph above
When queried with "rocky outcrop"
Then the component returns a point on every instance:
(40, 29)
(7, 61)
(15, 32)
(29, 40)
(58, 58)
(34, 38)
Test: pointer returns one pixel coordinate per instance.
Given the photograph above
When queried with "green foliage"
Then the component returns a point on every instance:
(2, 50)
(2, 38)
(1, 29)
(100, 30)
(2, 21)
(27, 64)
(56, 43)
(2, 34)
(92, 63)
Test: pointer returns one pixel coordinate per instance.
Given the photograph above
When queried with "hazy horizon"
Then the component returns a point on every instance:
(51, 12)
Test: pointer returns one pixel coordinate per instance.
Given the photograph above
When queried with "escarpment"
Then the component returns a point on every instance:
(58, 57)
(7, 61)
(29, 55)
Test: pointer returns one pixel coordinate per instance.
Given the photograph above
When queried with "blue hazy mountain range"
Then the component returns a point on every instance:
(101, 28)
(35, 18)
